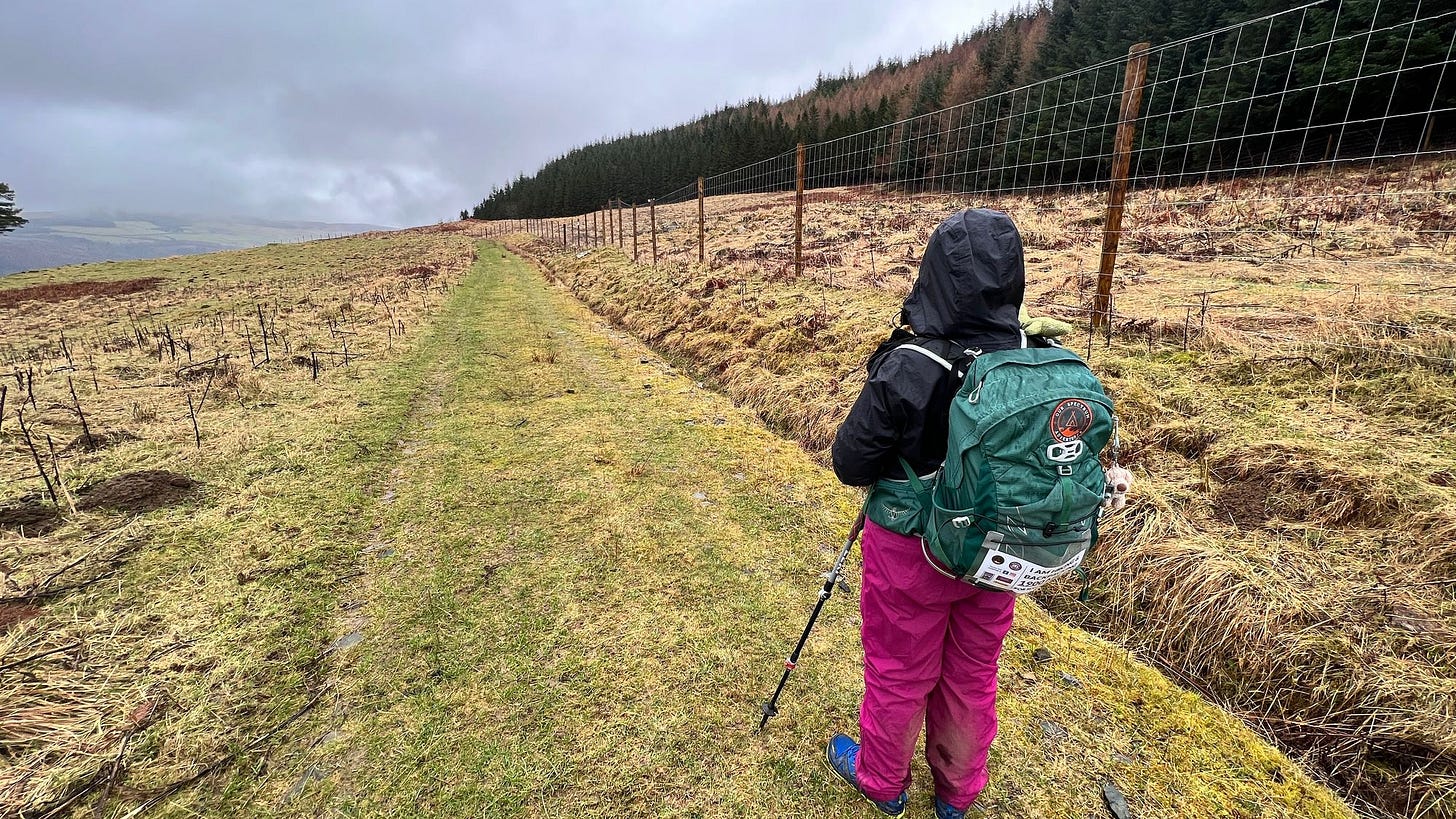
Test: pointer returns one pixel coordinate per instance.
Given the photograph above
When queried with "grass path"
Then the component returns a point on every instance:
(582, 577)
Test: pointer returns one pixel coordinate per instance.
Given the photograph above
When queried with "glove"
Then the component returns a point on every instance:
(1114, 495)
(1044, 326)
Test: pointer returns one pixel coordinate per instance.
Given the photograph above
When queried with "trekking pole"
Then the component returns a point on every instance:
(831, 579)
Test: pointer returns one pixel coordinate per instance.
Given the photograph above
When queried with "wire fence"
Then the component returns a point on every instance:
(1286, 174)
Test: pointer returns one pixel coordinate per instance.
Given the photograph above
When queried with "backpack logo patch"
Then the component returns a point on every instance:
(1070, 420)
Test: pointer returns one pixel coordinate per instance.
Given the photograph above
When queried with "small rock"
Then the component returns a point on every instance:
(739, 476)
(700, 496)
(1052, 730)
(1041, 656)
(1116, 802)
(719, 421)
(1122, 759)
(1070, 681)
(349, 640)
(1027, 677)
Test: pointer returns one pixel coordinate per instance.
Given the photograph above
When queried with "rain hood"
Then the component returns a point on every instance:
(971, 284)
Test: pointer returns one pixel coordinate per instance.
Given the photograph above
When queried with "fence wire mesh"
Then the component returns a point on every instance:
(1268, 204)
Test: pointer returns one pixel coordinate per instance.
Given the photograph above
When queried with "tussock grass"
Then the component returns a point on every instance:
(1290, 554)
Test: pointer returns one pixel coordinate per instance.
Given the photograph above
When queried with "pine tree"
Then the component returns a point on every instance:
(10, 217)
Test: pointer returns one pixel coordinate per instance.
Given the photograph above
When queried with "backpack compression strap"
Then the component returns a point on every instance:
(928, 354)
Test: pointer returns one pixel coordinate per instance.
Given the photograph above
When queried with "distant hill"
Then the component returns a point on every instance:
(54, 239)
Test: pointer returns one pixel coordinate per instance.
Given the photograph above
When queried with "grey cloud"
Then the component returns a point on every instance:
(390, 112)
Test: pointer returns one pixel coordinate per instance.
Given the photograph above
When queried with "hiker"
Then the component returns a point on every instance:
(931, 642)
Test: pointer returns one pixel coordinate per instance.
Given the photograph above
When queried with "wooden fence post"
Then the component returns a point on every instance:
(799, 213)
(652, 216)
(621, 238)
(1132, 98)
(701, 255)
(634, 233)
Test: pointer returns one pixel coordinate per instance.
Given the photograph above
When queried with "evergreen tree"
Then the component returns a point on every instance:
(10, 217)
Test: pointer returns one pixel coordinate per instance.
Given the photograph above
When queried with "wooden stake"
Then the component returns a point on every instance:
(621, 241)
(56, 468)
(263, 328)
(701, 253)
(85, 428)
(634, 233)
(799, 213)
(40, 467)
(1132, 97)
(196, 430)
(652, 216)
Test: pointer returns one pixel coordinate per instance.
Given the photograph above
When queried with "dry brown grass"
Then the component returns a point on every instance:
(135, 650)
(1282, 358)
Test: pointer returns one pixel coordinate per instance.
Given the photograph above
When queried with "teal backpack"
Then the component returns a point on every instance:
(1016, 503)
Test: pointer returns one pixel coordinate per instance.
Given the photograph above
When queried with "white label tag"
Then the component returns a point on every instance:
(1017, 574)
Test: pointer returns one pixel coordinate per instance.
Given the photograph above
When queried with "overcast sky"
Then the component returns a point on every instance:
(395, 113)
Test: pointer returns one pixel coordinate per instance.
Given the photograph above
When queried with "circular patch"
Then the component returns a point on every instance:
(1071, 420)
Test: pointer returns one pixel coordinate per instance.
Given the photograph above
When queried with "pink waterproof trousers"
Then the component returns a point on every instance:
(931, 647)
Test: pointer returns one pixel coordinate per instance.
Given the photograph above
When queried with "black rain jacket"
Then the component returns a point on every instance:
(968, 297)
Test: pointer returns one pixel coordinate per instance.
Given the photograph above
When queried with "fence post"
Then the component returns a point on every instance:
(1132, 98)
(634, 233)
(701, 255)
(799, 214)
(652, 215)
(621, 239)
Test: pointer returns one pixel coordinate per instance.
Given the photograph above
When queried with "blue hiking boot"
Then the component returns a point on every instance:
(943, 810)
(841, 755)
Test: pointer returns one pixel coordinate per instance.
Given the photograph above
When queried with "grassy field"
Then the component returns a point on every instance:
(513, 564)
(169, 605)
(1290, 554)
